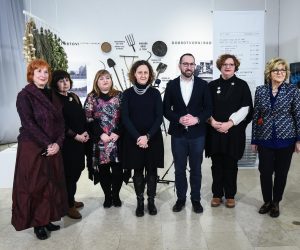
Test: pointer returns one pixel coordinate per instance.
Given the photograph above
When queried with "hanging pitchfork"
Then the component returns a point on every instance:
(130, 40)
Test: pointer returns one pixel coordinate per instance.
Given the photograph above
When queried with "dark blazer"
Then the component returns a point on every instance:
(200, 105)
(282, 120)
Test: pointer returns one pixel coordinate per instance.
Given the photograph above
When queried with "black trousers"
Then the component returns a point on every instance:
(224, 173)
(72, 176)
(277, 162)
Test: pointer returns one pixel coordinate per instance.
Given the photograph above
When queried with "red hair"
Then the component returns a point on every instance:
(37, 64)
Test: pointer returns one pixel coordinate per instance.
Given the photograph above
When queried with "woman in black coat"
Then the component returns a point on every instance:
(143, 150)
(225, 142)
(76, 136)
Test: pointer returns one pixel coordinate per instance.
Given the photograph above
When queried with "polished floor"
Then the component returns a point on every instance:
(240, 228)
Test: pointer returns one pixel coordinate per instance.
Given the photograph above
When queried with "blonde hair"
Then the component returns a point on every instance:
(96, 90)
(273, 64)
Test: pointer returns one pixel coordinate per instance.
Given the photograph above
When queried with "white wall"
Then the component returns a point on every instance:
(93, 19)
(289, 31)
(98, 21)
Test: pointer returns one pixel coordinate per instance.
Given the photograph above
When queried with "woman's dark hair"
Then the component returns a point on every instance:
(222, 58)
(186, 54)
(59, 75)
(134, 67)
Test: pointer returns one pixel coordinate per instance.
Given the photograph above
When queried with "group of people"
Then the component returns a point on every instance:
(121, 131)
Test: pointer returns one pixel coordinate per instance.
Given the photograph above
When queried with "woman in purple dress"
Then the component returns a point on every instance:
(102, 109)
(39, 191)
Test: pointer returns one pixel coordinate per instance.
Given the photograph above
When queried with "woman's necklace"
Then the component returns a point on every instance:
(140, 91)
(274, 90)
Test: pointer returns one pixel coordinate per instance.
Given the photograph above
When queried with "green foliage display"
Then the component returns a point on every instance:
(45, 45)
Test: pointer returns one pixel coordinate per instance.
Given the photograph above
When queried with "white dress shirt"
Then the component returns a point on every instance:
(186, 88)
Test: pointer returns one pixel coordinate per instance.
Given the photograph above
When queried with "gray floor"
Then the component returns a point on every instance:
(217, 228)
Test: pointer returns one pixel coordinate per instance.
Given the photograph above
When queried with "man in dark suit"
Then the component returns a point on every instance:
(187, 105)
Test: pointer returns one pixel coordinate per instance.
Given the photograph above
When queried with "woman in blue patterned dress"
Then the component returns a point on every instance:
(102, 109)
(275, 132)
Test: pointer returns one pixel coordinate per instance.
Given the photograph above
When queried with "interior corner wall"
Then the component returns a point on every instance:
(289, 32)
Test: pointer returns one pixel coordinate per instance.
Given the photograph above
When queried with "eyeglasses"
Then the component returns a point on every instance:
(185, 64)
(228, 65)
(277, 71)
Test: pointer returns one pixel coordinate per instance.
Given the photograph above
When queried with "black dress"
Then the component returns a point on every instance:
(75, 123)
(228, 96)
(141, 115)
(73, 151)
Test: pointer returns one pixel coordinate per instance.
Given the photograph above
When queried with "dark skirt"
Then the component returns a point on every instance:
(73, 153)
(39, 191)
(231, 143)
(134, 157)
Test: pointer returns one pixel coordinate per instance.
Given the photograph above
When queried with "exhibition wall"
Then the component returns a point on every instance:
(93, 22)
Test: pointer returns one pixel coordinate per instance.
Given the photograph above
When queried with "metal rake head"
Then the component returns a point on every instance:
(130, 41)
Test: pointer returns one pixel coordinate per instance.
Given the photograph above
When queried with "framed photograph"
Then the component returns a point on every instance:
(204, 69)
(78, 75)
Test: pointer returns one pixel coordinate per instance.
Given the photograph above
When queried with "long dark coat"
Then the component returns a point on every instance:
(39, 192)
(75, 123)
(228, 97)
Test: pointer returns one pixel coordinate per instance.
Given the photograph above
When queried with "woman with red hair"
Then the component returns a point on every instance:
(39, 192)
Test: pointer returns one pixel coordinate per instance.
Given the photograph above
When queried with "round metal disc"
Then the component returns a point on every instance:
(106, 47)
(159, 48)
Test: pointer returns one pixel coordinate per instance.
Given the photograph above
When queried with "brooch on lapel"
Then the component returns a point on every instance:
(260, 121)
(70, 98)
(232, 83)
(218, 90)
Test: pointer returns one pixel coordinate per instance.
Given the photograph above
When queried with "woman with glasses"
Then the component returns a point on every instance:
(275, 132)
(225, 143)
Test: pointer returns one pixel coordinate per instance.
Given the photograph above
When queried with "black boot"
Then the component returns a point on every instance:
(117, 180)
(151, 206)
(139, 185)
(105, 182)
(151, 192)
(139, 212)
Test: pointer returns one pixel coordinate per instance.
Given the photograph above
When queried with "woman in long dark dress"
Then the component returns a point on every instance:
(102, 109)
(39, 191)
(143, 150)
(76, 136)
(225, 142)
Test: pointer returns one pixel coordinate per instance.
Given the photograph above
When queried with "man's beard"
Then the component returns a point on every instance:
(187, 74)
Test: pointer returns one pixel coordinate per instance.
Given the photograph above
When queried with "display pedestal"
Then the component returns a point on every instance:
(7, 166)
